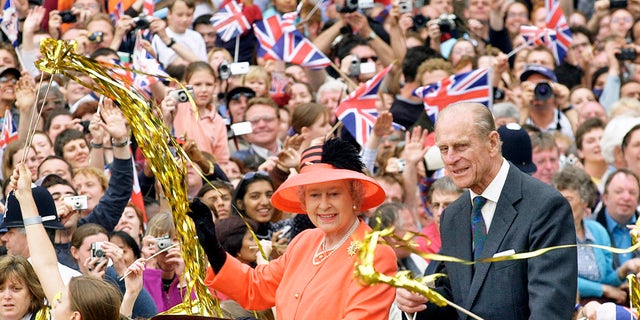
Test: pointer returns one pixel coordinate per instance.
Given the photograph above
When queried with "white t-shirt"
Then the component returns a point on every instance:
(191, 39)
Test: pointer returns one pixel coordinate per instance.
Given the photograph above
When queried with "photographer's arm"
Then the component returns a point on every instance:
(323, 40)
(124, 24)
(158, 26)
(396, 34)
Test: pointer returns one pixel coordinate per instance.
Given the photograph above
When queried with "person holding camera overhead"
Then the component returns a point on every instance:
(209, 131)
(543, 100)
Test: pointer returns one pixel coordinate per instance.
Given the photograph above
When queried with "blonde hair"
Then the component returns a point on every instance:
(258, 72)
(95, 172)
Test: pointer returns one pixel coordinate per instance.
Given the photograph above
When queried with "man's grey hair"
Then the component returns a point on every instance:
(505, 110)
(331, 85)
(614, 133)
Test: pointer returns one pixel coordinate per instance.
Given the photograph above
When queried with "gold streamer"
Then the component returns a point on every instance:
(634, 291)
(152, 135)
(365, 271)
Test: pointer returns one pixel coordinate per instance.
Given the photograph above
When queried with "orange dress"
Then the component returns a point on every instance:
(301, 290)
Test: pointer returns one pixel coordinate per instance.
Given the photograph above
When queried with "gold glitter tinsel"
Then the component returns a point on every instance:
(59, 57)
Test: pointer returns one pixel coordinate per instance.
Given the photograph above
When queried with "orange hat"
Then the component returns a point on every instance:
(313, 171)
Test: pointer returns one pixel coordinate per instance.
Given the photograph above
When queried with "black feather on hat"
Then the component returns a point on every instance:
(341, 155)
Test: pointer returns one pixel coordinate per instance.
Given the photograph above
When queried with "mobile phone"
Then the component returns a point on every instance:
(285, 232)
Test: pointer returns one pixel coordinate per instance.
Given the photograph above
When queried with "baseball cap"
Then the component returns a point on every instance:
(538, 69)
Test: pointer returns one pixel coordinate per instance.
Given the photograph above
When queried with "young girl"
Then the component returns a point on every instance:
(259, 80)
(209, 130)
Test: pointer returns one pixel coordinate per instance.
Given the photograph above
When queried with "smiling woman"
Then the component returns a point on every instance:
(73, 147)
(21, 295)
(318, 264)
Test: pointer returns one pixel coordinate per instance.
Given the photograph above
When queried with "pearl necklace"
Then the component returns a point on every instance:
(321, 255)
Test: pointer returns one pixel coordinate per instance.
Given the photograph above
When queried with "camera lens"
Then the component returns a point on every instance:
(99, 253)
(543, 91)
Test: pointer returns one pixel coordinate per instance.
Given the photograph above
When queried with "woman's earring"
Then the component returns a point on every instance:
(355, 207)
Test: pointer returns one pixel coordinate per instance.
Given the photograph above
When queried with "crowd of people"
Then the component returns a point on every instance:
(282, 194)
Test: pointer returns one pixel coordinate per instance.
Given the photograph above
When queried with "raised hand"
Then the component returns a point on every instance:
(382, 126)
(414, 148)
(113, 122)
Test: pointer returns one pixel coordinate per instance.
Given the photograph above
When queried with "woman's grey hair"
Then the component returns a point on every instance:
(505, 110)
(331, 85)
(576, 179)
(356, 190)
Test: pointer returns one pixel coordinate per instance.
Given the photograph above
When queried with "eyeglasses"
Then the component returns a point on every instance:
(517, 15)
(5, 80)
(267, 119)
(242, 94)
(625, 20)
(86, 6)
(366, 59)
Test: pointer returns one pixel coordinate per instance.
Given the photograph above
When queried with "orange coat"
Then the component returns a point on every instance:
(301, 290)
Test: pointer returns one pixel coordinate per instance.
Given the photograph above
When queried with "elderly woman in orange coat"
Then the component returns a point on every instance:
(314, 278)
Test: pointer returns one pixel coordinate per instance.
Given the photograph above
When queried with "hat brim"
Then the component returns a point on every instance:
(529, 168)
(286, 197)
(12, 71)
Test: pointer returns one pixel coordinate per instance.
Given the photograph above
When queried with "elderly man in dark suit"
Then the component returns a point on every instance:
(504, 211)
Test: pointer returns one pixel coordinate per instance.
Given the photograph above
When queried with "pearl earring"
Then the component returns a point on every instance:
(355, 207)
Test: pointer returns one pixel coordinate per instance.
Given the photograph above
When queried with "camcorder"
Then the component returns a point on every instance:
(628, 54)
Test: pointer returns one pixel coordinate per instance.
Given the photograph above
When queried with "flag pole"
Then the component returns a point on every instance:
(235, 56)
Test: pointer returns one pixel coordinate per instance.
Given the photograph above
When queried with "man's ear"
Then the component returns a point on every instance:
(495, 146)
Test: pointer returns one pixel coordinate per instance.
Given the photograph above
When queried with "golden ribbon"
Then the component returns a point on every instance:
(153, 138)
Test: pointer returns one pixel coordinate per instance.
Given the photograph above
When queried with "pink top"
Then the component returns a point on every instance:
(209, 132)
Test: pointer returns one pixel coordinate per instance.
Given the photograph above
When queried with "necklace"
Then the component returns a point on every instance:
(322, 254)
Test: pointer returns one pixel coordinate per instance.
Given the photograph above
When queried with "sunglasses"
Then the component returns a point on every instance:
(366, 59)
(253, 174)
(242, 94)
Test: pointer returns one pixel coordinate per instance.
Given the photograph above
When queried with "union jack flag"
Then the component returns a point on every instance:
(288, 45)
(472, 86)
(538, 36)
(229, 21)
(9, 23)
(358, 111)
(9, 130)
(144, 62)
(118, 12)
(148, 8)
(556, 20)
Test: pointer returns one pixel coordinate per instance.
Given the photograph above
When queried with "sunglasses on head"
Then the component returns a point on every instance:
(253, 174)
(242, 94)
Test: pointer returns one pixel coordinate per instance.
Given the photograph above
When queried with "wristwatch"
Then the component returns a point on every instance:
(171, 43)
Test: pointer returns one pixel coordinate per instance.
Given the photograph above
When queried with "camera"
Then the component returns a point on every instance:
(224, 71)
(182, 95)
(406, 6)
(68, 16)
(627, 54)
(543, 91)
(498, 94)
(419, 21)
(615, 4)
(446, 22)
(96, 37)
(353, 5)
(141, 22)
(163, 242)
(77, 202)
(96, 252)
(85, 126)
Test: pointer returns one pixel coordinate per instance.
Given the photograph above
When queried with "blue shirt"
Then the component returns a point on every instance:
(620, 235)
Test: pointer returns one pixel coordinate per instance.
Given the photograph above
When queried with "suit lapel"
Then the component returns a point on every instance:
(502, 219)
